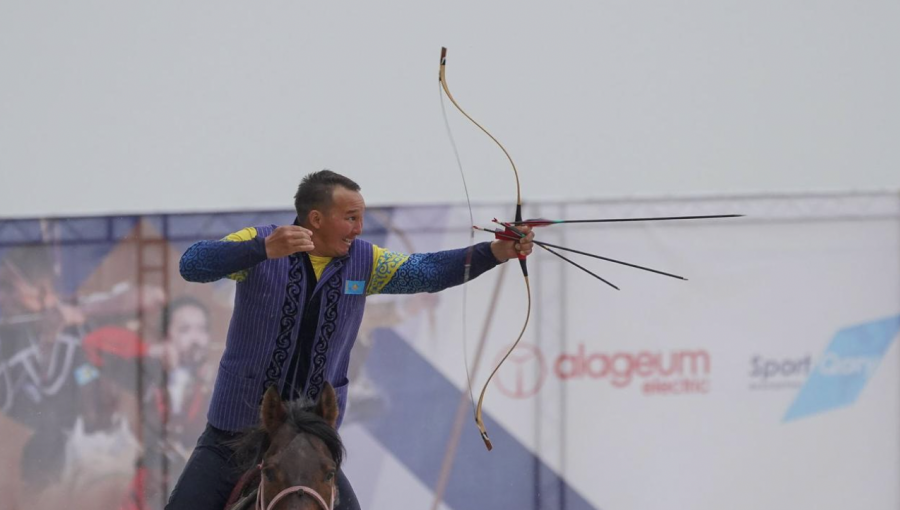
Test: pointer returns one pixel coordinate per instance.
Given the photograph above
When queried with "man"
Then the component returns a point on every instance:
(186, 352)
(299, 303)
(178, 375)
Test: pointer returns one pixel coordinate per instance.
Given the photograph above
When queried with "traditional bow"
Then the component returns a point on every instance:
(510, 232)
(522, 262)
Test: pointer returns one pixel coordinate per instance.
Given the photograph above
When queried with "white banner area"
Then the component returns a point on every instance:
(769, 379)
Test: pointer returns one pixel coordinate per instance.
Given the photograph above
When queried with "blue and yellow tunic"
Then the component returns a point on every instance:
(296, 318)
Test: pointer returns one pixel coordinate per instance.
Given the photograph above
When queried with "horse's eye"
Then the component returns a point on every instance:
(330, 476)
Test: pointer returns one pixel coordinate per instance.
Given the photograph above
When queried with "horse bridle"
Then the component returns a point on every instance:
(260, 505)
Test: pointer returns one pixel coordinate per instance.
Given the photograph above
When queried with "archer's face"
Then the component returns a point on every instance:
(335, 228)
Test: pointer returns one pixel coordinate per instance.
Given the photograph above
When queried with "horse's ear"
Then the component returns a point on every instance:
(327, 406)
(272, 413)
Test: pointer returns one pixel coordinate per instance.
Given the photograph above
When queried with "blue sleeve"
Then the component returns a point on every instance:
(208, 261)
(433, 272)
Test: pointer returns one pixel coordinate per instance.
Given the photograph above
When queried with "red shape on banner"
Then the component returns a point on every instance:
(114, 340)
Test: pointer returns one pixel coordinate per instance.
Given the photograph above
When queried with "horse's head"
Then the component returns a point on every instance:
(299, 465)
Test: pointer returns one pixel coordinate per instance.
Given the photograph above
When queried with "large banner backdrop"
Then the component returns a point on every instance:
(769, 379)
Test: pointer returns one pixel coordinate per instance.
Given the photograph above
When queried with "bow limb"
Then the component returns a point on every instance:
(442, 77)
(522, 262)
(478, 418)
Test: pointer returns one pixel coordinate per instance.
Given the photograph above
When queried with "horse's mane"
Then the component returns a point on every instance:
(250, 446)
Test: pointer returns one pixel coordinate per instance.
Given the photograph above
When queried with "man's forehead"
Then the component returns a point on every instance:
(347, 199)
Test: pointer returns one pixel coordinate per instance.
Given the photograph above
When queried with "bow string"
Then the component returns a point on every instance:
(522, 258)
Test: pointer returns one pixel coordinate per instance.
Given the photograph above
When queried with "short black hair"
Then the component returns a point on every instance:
(316, 191)
(177, 304)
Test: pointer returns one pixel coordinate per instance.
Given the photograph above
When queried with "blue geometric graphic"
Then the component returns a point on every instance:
(845, 368)
(421, 410)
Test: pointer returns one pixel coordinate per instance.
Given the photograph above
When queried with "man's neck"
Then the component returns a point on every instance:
(315, 251)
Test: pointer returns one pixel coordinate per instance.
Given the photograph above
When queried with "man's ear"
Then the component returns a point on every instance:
(315, 218)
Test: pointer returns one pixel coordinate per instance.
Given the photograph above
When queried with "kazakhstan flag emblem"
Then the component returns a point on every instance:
(354, 287)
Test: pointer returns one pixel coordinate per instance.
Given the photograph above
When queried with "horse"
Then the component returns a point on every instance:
(292, 458)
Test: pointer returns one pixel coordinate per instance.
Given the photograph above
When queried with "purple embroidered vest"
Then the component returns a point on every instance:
(268, 308)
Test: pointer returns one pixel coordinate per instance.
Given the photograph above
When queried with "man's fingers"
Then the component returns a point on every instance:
(298, 238)
(300, 232)
(301, 244)
(524, 246)
(295, 230)
(288, 239)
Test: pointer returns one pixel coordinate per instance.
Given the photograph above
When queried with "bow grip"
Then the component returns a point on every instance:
(508, 234)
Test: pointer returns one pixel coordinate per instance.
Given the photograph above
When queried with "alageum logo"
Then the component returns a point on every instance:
(659, 373)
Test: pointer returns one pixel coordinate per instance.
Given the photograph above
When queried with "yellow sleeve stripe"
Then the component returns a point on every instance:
(246, 234)
(385, 266)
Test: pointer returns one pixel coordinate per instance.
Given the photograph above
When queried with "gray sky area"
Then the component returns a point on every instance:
(164, 106)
